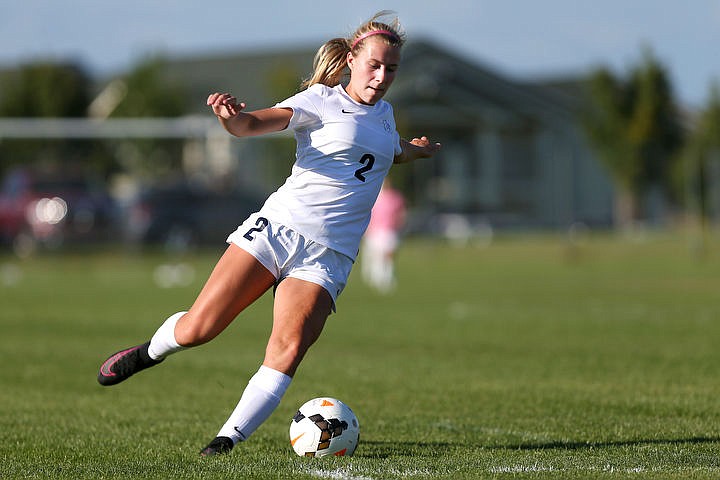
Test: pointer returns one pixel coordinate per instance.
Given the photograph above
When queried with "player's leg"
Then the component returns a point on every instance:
(300, 311)
(299, 314)
(237, 280)
(387, 271)
(386, 245)
(366, 261)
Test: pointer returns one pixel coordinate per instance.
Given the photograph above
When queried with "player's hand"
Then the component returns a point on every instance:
(427, 148)
(416, 148)
(224, 105)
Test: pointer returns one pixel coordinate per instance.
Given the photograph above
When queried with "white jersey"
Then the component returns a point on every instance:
(344, 151)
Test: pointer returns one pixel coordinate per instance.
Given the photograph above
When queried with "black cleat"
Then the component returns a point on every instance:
(123, 364)
(219, 446)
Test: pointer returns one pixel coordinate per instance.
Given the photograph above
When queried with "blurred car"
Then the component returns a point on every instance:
(182, 216)
(53, 208)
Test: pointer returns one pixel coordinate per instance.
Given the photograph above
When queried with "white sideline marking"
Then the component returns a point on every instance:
(607, 468)
(347, 474)
(523, 469)
(338, 474)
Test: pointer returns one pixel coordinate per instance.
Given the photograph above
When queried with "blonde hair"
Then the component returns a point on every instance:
(331, 59)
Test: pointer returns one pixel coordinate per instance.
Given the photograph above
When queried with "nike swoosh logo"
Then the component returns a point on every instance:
(292, 442)
(345, 111)
(105, 368)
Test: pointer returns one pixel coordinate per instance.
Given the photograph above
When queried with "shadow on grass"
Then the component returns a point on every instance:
(612, 443)
(384, 449)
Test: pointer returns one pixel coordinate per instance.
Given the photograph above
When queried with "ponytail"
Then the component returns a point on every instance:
(329, 64)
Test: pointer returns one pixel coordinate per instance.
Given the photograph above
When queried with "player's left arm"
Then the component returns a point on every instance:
(416, 148)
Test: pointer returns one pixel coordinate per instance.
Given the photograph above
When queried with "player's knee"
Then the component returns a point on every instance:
(286, 347)
(286, 352)
(190, 332)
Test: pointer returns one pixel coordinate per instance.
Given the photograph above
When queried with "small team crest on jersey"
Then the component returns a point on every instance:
(386, 124)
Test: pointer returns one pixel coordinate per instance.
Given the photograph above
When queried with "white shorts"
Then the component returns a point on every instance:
(286, 253)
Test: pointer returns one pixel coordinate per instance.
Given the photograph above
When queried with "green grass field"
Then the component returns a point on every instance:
(524, 359)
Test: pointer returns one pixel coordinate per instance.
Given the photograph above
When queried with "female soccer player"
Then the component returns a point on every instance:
(305, 238)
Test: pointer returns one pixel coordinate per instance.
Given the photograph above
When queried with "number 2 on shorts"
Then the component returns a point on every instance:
(260, 225)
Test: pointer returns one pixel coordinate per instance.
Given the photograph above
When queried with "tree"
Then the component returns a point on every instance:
(701, 158)
(147, 92)
(44, 89)
(634, 127)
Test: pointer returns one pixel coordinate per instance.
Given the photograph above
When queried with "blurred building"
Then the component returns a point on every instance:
(513, 153)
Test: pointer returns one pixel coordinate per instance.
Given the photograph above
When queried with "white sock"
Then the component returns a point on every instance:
(163, 343)
(260, 398)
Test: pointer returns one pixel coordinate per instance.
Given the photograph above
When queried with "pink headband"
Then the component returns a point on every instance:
(390, 34)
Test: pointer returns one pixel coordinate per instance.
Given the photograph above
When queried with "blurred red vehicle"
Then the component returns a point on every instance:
(50, 209)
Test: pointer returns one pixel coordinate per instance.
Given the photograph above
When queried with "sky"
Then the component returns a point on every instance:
(524, 39)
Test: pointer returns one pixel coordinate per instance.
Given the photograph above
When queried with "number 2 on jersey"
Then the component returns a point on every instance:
(368, 160)
(260, 225)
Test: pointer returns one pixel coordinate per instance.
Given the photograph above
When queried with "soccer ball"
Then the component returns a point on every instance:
(324, 426)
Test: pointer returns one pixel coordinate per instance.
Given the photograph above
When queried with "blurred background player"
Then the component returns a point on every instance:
(382, 238)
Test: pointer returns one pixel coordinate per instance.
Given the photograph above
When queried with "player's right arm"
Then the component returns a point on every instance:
(244, 124)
